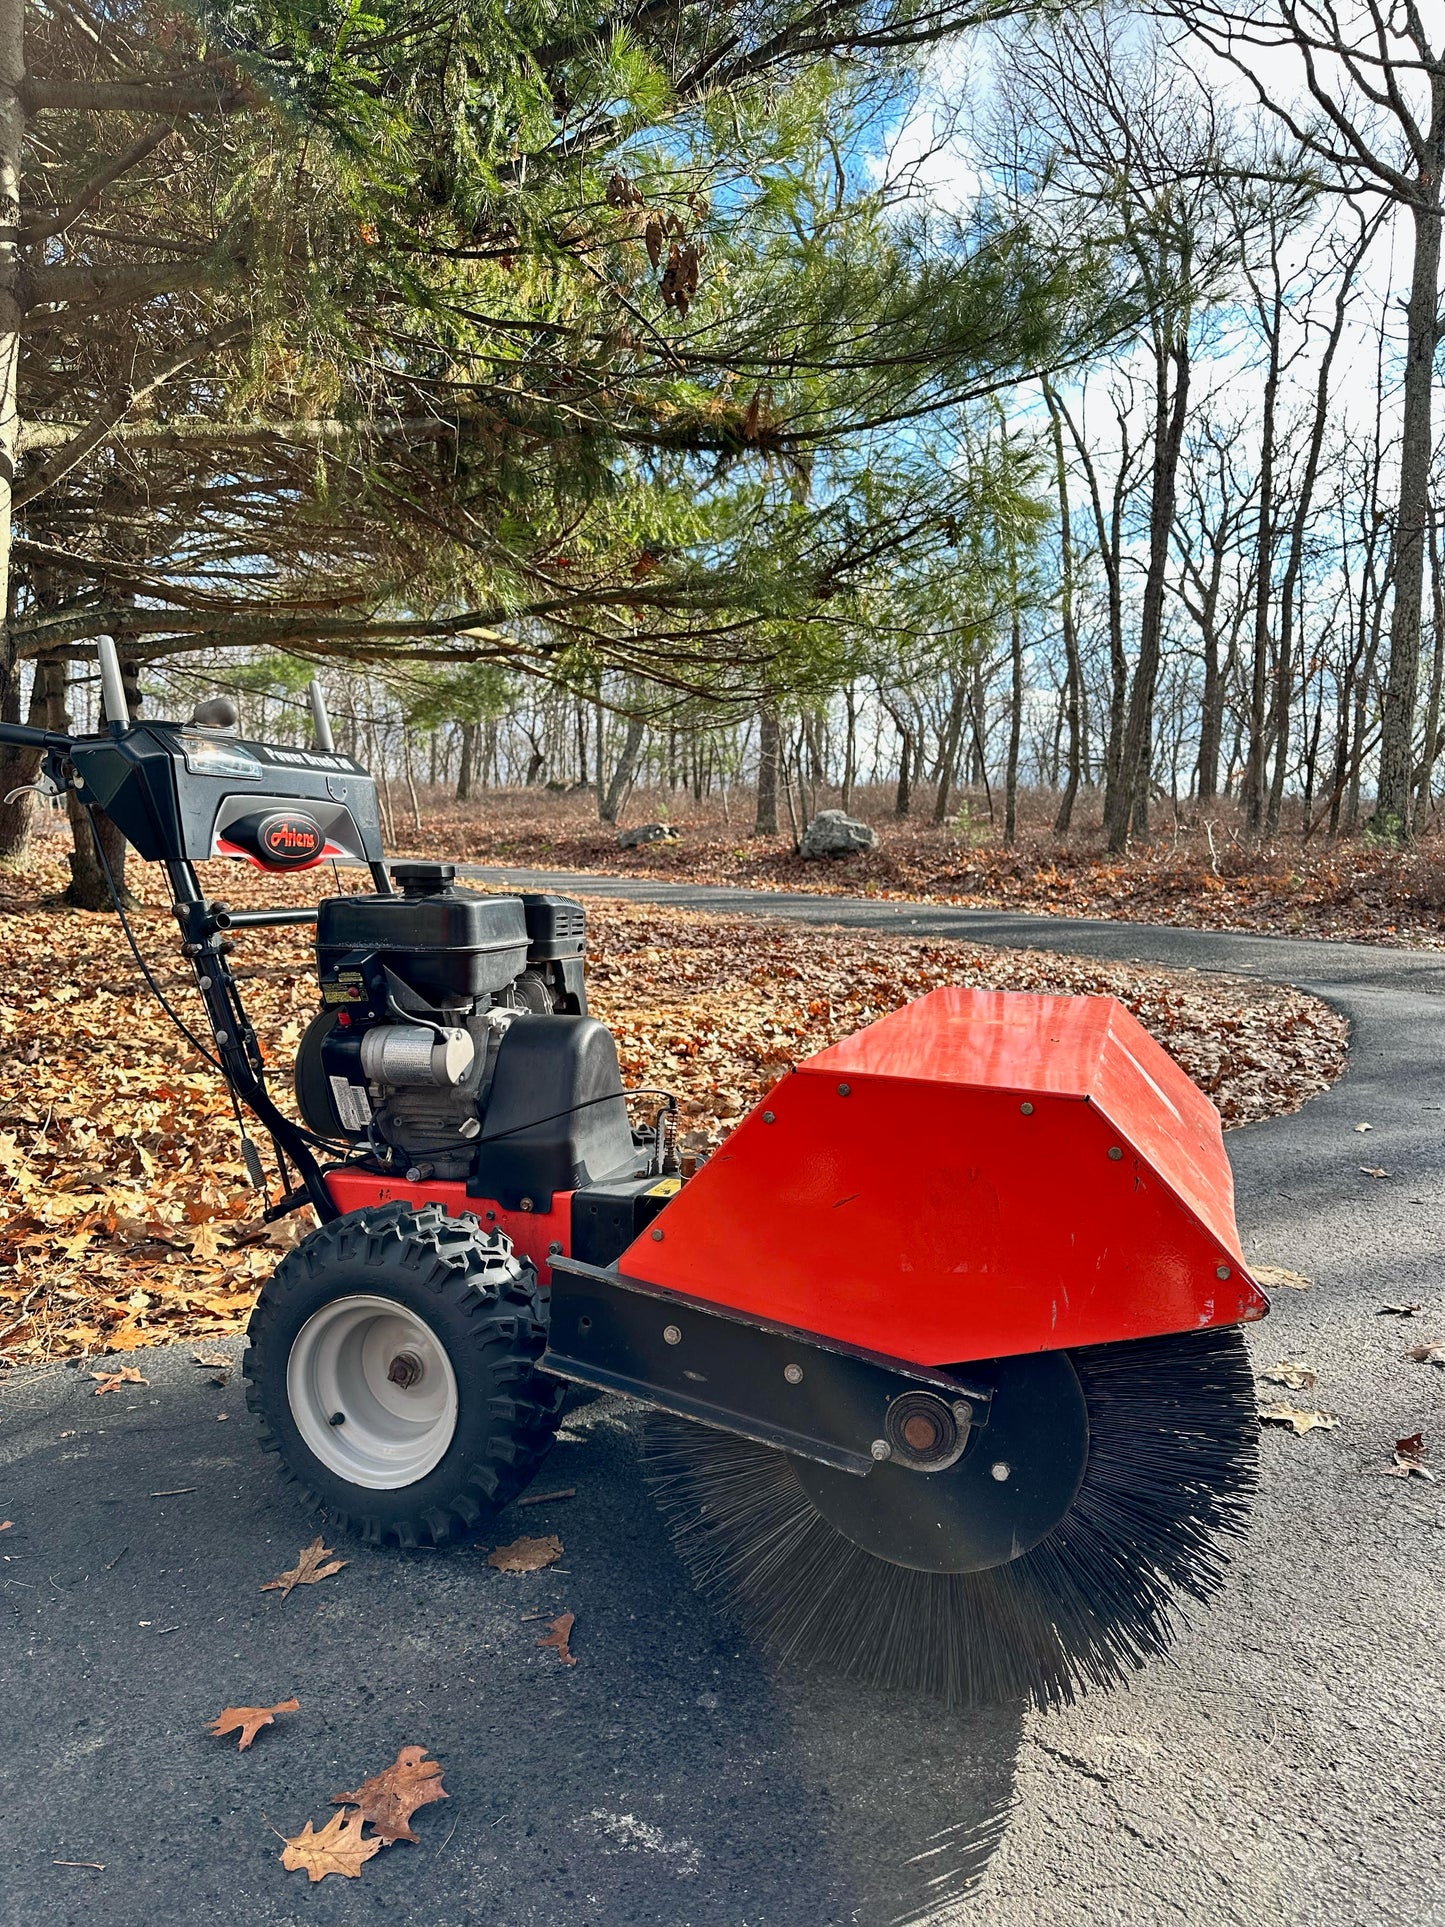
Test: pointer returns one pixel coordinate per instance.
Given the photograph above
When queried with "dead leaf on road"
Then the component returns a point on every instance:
(1409, 1459)
(308, 1569)
(1293, 1373)
(1374, 1171)
(527, 1555)
(559, 1634)
(6, 1524)
(220, 1363)
(1275, 1277)
(248, 1720)
(339, 1848)
(1431, 1354)
(388, 1800)
(1364, 1127)
(1298, 1421)
(1401, 1311)
(112, 1381)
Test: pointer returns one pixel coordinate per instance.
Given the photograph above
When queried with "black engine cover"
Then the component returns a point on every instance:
(555, 1117)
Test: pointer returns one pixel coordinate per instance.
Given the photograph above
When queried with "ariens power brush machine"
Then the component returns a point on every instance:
(942, 1344)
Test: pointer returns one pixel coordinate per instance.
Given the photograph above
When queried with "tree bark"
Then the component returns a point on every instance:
(1073, 670)
(1402, 678)
(623, 773)
(1128, 796)
(89, 887)
(12, 141)
(765, 822)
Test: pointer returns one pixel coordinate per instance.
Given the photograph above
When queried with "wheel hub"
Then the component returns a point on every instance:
(372, 1392)
(953, 1497)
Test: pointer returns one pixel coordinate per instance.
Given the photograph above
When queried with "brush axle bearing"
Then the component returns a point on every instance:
(927, 1433)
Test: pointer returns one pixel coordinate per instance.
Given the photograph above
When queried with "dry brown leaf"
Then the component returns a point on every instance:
(1299, 1422)
(1431, 1354)
(527, 1555)
(1364, 1127)
(1374, 1171)
(1409, 1459)
(248, 1720)
(559, 1634)
(308, 1570)
(1275, 1278)
(6, 1524)
(340, 1847)
(217, 1363)
(388, 1800)
(1406, 1310)
(112, 1381)
(1292, 1372)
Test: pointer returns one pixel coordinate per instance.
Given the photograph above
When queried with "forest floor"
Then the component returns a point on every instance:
(1206, 873)
(128, 1219)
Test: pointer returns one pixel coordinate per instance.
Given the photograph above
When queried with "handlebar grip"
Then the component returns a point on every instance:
(19, 736)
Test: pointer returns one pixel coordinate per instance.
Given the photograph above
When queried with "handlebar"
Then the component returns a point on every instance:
(19, 736)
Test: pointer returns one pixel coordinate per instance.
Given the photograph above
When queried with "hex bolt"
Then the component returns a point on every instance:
(881, 1450)
(524, 1204)
(963, 1411)
(1000, 1470)
(845, 1090)
(1221, 1272)
(793, 1374)
(671, 1335)
(554, 1250)
(657, 1236)
(768, 1118)
(1027, 1109)
(1115, 1153)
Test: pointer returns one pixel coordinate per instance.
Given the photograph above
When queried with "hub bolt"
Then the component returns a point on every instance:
(999, 1470)
(404, 1370)
(671, 1335)
(793, 1374)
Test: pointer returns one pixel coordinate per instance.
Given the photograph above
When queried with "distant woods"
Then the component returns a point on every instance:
(859, 395)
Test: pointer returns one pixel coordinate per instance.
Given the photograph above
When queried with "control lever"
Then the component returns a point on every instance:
(320, 720)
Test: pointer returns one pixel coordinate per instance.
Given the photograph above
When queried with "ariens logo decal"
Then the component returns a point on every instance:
(291, 838)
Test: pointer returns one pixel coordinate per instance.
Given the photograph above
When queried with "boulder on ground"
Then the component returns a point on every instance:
(646, 833)
(835, 833)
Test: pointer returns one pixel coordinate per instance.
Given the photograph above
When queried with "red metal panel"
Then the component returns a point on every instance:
(532, 1232)
(959, 1200)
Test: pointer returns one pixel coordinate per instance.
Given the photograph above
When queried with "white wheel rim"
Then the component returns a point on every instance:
(372, 1392)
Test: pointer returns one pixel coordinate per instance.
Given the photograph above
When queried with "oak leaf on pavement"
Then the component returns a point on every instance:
(316, 1562)
(1280, 1412)
(559, 1633)
(527, 1555)
(340, 1847)
(388, 1800)
(248, 1720)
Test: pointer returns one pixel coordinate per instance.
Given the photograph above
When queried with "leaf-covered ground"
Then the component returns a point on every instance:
(1206, 874)
(127, 1218)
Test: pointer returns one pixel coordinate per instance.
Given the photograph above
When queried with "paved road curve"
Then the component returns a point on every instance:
(1285, 1770)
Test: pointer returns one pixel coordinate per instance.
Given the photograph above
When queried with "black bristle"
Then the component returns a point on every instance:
(1173, 1439)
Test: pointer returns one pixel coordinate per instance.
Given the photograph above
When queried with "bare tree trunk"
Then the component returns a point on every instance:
(850, 748)
(765, 822)
(1128, 795)
(12, 141)
(948, 753)
(90, 886)
(1073, 672)
(1016, 712)
(626, 765)
(466, 771)
(1253, 792)
(1402, 680)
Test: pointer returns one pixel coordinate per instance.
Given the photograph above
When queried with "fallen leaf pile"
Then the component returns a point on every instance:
(1351, 887)
(127, 1216)
(248, 1720)
(316, 1563)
